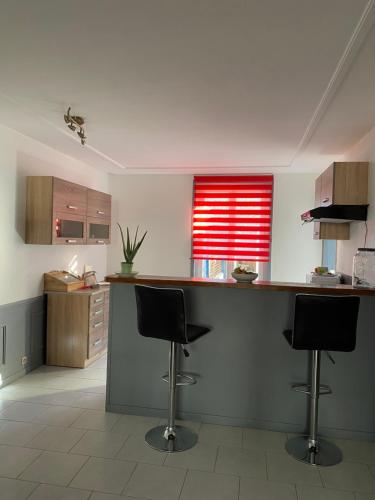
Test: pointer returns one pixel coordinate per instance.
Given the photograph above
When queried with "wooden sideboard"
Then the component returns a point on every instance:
(59, 212)
(77, 326)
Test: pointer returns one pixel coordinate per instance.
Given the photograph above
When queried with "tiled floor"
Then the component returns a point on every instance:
(57, 443)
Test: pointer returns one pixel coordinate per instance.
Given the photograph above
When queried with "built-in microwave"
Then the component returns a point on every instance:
(69, 229)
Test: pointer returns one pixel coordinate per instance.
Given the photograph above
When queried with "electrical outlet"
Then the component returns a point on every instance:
(24, 360)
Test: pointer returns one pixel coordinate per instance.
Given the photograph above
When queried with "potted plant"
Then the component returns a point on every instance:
(130, 249)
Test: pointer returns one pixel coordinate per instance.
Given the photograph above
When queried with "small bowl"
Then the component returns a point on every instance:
(244, 277)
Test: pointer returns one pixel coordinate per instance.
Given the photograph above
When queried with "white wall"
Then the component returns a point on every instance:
(162, 205)
(294, 252)
(22, 266)
(362, 151)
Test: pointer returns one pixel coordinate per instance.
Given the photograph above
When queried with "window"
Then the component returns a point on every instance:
(232, 224)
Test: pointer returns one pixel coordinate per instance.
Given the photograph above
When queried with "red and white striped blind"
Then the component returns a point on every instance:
(232, 217)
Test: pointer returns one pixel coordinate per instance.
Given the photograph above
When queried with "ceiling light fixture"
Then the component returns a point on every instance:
(75, 122)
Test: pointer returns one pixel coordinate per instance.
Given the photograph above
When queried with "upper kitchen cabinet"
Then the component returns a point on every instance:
(58, 212)
(343, 183)
(98, 217)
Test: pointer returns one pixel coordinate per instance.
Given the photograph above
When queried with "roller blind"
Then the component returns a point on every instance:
(232, 217)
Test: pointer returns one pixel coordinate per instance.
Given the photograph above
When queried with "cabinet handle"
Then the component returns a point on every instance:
(96, 325)
(97, 301)
(98, 312)
(97, 342)
(71, 207)
(4, 344)
(100, 212)
(325, 200)
(71, 241)
(99, 241)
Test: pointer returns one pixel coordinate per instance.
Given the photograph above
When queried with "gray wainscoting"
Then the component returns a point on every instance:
(22, 334)
(244, 365)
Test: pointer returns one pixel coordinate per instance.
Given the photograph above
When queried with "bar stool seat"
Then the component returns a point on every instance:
(321, 323)
(161, 314)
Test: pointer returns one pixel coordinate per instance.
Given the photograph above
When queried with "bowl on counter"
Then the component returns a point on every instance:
(244, 277)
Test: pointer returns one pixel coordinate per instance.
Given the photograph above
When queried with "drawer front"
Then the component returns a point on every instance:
(97, 313)
(97, 343)
(97, 299)
(98, 204)
(96, 324)
(98, 231)
(69, 198)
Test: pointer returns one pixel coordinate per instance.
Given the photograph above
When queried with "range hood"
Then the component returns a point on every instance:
(336, 213)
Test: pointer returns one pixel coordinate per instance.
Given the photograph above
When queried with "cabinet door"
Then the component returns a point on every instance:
(98, 204)
(69, 197)
(331, 231)
(98, 231)
(326, 194)
(68, 229)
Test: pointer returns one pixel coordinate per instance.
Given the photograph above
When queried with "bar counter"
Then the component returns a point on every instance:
(244, 366)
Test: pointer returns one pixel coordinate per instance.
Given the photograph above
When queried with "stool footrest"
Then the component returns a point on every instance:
(306, 389)
(182, 379)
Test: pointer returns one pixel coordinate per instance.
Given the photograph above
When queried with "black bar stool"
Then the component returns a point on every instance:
(161, 315)
(321, 323)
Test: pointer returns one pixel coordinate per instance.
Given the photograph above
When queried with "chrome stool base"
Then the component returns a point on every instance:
(184, 439)
(327, 453)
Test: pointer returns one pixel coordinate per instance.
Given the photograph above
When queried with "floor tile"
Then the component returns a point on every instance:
(4, 403)
(264, 440)
(314, 493)
(364, 496)
(136, 449)
(109, 496)
(96, 420)
(155, 482)
(12, 489)
(22, 412)
(58, 415)
(105, 475)
(57, 439)
(14, 460)
(210, 486)
(220, 435)
(99, 444)
(18, 433)
(93, 373)
(285, 469)
(356, 451)
(133, 424)
(54, 468)
(241, 462)
(349, 476)
(26, 393)
(257, 489)
(48, 492)
(201, 457)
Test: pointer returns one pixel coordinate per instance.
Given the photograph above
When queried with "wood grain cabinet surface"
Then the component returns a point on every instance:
(342, 183)
(59, 212)
(77, 327)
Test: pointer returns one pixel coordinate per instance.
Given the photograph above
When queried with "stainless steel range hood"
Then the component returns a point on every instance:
(336, 213)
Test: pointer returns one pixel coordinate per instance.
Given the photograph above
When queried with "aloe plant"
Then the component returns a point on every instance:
(131, 248)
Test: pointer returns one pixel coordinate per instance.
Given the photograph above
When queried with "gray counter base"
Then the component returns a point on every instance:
(244, 366)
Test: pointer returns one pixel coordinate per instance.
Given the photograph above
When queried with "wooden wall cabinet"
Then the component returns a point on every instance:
(77, 327)
(59, 212)
(343, 183)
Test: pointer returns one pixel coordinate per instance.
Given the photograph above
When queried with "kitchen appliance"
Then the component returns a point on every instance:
(336, 213)
(364, 268)
(323, 279)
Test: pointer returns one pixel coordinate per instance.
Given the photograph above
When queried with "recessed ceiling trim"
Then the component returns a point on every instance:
(352, 48)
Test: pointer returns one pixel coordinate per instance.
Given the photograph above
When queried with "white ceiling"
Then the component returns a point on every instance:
(189, 85)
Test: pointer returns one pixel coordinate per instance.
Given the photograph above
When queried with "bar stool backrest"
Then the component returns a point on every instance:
(326, 323)
(161, 313)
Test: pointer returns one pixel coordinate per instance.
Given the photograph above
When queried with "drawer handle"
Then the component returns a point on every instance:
(98, 312)
(97, 342)
(71, 207)
(97, 301)
(96, 325)
(71, 241)
(325, 200)
(100, 212)
(99, 241)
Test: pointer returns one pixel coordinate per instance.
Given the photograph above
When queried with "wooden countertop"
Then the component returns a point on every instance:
(276, 286)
